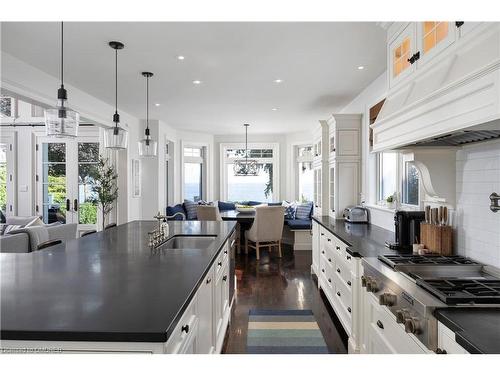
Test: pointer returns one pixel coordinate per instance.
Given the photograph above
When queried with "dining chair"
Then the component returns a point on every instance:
(209, 213)
(266, 230)
(109, 226)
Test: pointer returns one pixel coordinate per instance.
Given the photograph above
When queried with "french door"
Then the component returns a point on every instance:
(66, 171)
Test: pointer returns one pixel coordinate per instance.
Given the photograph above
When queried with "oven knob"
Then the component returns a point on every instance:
(402, 315)
(372, 286)
(412, 325)
(387, 299)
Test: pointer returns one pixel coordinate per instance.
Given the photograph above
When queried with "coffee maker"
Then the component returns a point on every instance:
(407, 229)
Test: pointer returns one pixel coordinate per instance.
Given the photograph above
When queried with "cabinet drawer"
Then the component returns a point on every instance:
(221, 261)
(446, 341)
(184, 330)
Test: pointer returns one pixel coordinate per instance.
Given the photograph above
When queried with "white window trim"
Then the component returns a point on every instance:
(169, 190)
(10, 138)
(296, 159)
(400, 173)
(206, 183)
(254, 145)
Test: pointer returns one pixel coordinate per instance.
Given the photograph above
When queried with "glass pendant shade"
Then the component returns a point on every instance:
(61, 122)
(148, 147)
(246, 166)
(115, 138)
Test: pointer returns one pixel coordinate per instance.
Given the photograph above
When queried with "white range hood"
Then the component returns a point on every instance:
(457, 94)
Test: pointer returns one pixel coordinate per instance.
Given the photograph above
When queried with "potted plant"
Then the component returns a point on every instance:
(390, 201)
(105, 188)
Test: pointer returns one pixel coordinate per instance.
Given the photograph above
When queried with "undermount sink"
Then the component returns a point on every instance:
(189, 242)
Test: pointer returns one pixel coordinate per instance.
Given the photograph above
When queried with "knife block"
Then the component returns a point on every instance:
(437, 238)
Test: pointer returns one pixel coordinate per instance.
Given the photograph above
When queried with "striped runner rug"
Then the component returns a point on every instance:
(284, 332)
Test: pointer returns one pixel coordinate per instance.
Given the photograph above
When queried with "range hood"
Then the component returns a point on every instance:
(473, 134)
(452, 101)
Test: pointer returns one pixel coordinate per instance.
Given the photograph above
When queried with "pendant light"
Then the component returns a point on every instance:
(245, 166)
(116, 138)
(61, 122)
(147, 146)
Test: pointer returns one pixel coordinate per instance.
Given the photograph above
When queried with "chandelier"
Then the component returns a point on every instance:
(246, 166)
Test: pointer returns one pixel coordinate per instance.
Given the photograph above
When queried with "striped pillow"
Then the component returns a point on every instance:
(303, 211)
(191, 209)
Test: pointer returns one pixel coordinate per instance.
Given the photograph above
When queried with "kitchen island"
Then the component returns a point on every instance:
(113, 292)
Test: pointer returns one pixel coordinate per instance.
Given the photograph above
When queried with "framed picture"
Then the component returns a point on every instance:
(136, 178)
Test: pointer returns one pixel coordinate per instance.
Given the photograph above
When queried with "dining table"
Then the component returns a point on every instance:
(240, 217)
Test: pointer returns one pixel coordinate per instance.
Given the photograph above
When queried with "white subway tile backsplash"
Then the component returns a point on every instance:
(477, 176)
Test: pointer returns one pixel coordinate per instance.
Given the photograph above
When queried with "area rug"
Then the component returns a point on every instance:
(284, 332)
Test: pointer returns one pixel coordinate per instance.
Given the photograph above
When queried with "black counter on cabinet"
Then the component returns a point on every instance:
(477, 330)
(109, 286)
(364, 240)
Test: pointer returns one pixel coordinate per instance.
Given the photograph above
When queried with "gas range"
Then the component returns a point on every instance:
(411, 287)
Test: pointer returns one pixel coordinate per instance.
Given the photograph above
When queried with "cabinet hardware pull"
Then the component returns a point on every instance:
(329, 240)
(224, 278)
(338, 294)
(75, 205)
(330, 260)
(225, 251)
(329, 280)
(209, 280)
(337, 247)
(380, 325)
(414, 58)
(219, 264)
(322, 251)
(185, 328)
(323, 270)
(441, 351)
(349, 283)
(349, 309)
(348, 257)
(338, 270)
(459, 24)
(68, 205)
(321, 233)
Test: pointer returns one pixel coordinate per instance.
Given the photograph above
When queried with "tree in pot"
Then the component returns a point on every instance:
(105, 188)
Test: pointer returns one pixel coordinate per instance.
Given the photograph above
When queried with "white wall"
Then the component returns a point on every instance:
(370, 96)
(477, 176)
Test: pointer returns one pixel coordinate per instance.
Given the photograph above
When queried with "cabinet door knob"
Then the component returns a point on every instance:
(380, 325)
(349, 283)
(338, 294)
(329, 240)
(329, 280)
(321, 233)
(330, 260)
(224, 278)
(225, 251)
(337, 247)
(209, 280)
(348, 257)
(219, 264)
(441, 351)
(338, 270)
(458, 24)
(323, 270)
(349, 309)
(185, 328)
(322, 251)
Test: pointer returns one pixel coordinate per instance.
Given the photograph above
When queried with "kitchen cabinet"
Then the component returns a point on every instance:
(446, 341)
(320, 168)
(433, 38)
(399, 52)
(343, 163)
(206, 305)
(315, 247)
(318, 190)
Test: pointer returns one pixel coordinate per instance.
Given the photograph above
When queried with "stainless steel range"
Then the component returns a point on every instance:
(413, 286)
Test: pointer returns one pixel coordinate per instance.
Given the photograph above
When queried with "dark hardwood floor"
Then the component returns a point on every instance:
(274, 283)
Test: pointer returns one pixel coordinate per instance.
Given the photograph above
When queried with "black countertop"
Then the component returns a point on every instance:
(477, 330)
(364, 240)
(108, 286)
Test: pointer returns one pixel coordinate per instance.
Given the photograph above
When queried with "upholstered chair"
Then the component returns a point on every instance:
(266, 230)
(208, 213)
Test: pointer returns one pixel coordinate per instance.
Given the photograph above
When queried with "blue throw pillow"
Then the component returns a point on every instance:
(226, 206)
(303, 211)
(172, 210)
(274, 204)
(290, 212)
(191, 209)
(253, 203)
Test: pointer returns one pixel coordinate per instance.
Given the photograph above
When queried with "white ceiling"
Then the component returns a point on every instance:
(236, 62)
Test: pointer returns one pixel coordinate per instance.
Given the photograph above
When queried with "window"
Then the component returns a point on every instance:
(37, 111)
(397, 175)
(169, 173)
(304, 173)
(193, 172)
(388, 174)
(410, 187)
(260, 188)
(88, 158)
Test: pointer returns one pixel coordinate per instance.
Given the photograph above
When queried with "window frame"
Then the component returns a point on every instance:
(203, 160)
(224, 161)
(401, 160)
(10, 139)
(297, 159)
(169, 171)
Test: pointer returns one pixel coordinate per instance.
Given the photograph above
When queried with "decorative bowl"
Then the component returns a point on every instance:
(242, 208)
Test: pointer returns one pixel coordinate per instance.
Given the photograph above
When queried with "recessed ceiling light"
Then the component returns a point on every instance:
(278, 80)
(361, 67)
(196, 82)
(157, 104)
(274, 109)
(180, 57)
